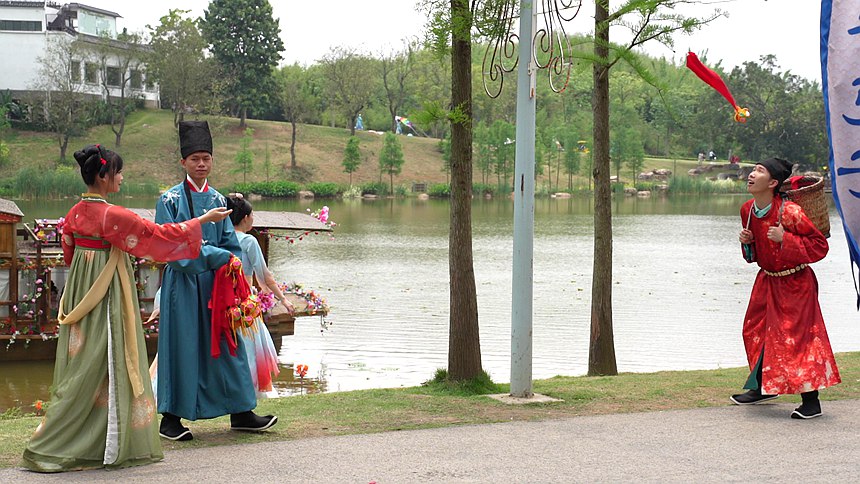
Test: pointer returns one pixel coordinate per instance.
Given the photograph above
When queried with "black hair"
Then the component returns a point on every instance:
(97, 160)
(241, 209)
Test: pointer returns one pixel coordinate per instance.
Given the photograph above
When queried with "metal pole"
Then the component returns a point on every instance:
(524, 212)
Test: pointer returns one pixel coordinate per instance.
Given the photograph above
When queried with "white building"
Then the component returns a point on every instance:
(26, 28)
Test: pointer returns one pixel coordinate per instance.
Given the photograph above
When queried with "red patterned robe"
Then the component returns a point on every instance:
(783, 317)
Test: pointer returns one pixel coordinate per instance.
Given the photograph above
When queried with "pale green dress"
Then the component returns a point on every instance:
(94, 418)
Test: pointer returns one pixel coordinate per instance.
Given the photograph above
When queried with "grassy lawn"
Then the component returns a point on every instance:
(369, 411)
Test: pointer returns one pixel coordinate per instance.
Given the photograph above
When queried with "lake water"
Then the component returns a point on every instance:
(680, 289)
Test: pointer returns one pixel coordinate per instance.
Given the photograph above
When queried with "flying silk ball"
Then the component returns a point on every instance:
(714, 80)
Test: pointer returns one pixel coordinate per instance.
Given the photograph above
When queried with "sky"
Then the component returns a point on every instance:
(789, 29)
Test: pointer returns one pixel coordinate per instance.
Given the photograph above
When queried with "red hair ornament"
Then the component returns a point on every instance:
(714, 80)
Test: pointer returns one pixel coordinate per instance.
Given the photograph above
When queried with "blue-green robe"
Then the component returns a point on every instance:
(192, 384)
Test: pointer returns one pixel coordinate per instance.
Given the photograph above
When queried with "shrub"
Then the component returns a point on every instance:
(439, 190)
(33, 182)
(696, 185)
(275, 189)
(324, 189)
(480, 189)
(374, 188)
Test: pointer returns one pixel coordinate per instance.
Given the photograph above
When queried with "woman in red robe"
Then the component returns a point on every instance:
(786, 342)
(102, 411)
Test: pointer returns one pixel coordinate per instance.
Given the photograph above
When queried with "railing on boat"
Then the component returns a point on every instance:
(38, 249)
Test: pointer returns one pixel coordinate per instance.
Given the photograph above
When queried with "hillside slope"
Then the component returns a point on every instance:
(150, 148)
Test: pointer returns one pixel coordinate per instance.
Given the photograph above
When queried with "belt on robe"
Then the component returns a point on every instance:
(91, 242)
(95, 295)
(787, 272)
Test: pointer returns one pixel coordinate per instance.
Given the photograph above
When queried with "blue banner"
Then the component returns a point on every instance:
(840, 76)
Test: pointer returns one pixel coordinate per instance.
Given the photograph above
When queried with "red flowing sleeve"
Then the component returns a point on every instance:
(68, 240)
(747, 250)
(802, 242)
(142, 238)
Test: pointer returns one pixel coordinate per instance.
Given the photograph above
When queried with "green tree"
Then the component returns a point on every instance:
(502, 136)
(351, 157)
(626, 148)
(245, 157)
(647, 20)
(267, 162)
(246, 41)
(4, 148)
(350, 82)
(396, 68)
(61, 93)
(572, 160)
(120, 63)
(297, 100)
(186, 79)
(445, 149)
(784, 108)
(451, 26)
(484, 153)
(391, 158)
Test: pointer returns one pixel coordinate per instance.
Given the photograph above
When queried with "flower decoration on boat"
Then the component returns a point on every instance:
(322, 215)
(267, 301)
(316, 303)
(47, 230)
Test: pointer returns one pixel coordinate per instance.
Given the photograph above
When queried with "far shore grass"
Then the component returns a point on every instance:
(438, 405)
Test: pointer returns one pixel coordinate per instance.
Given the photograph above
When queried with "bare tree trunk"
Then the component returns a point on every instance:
(464, 346)
(293, 146)
(121, 113)
(352, 118)
(601, 349)
(64, 144)
(243, 115)
(391, 182)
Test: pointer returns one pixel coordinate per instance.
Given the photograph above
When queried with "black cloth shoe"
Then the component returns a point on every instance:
(251, 422)
(751, 397)
(810, 408)
(171, 428)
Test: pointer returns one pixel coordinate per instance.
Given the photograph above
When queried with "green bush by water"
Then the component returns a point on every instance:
(65, 181)
(374, 188)
(325, 189)
(439, 190)
(701, 186)
(275, 189)
(34, 182)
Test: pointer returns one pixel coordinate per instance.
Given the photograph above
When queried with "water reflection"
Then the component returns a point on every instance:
(680, 289)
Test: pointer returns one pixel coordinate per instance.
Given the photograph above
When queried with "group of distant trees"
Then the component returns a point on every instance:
(227, 63)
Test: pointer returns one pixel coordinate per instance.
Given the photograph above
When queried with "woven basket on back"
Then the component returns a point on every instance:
(812, 199)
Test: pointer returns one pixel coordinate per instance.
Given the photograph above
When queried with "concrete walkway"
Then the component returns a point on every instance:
(723, 444)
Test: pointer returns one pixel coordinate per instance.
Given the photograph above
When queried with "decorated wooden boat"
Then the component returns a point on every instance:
(33, 275)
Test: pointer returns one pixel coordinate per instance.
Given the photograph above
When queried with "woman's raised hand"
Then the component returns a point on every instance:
(217, 214)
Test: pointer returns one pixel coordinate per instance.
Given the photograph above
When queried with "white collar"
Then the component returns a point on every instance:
(198, 189)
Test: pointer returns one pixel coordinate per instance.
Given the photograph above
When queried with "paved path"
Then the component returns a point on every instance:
(720, 444)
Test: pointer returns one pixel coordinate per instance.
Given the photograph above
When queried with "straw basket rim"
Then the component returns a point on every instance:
(812, 200)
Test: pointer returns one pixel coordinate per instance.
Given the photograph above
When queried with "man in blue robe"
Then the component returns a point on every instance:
(191, 383)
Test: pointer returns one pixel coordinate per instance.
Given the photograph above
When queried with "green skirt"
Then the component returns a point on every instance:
(93, 419)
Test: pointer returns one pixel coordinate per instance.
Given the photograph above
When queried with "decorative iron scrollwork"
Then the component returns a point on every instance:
(551, 47)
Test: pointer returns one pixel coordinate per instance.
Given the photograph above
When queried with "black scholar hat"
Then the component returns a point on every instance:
(778, 168)
(194, 136)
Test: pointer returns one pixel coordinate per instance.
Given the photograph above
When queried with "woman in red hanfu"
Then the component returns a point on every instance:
(786, 343)
(102, 412)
